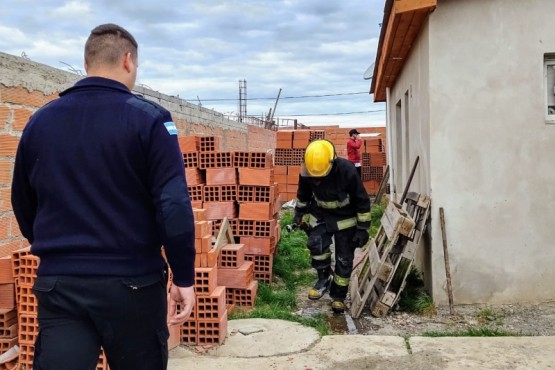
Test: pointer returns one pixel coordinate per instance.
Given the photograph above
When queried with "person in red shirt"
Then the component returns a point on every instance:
(353, 149)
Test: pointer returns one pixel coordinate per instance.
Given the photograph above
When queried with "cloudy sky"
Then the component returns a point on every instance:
(315, 51)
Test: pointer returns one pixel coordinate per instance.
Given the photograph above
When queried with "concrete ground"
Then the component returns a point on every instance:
(277, 344)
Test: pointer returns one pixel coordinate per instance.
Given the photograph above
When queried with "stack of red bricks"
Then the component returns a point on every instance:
(237, 275)
(8, 312)
(290, 147)
(238, 185)
(257, 226)
(18, 320)
(207, 324)
(373, 163)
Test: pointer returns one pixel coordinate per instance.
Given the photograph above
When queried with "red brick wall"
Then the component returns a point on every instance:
(16, 106)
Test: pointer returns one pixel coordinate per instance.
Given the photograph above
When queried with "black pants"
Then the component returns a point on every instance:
(319, 243)
(78, 315)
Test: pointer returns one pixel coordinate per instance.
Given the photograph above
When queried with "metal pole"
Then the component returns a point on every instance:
(275, 105)
(409, 180)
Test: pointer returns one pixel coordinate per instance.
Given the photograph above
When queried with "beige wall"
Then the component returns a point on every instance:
(491, 160)
(409, 134)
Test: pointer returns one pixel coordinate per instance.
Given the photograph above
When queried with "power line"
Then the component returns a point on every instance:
(332, 114)
(288, 97)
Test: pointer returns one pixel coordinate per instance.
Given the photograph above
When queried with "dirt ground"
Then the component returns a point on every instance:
(520, 319)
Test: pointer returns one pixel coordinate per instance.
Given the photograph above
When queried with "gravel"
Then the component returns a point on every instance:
(518, 319)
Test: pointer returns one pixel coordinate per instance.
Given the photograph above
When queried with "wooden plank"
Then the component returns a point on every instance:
(382, 187)
(369, 284)
(354, 289)
(410, 249)
(402, 286)
(373, 297)
(225, 236)
(373, 257)
(423, 201)
(381, 73)
(388, 299)
(380, 309)
(385, 271)
(396, 220)
(402, 6)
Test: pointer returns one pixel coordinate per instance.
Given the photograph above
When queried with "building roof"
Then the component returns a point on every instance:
(402, 22)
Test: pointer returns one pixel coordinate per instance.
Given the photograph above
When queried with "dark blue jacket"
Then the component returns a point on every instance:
(99, 186)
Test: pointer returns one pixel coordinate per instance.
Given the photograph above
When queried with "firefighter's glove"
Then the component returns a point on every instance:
(298, 218)
(361, 237)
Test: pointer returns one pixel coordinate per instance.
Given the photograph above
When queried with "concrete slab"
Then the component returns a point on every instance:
(489, 352)
(264, 338)
(356, 352)
(283, 345)
(331, 352)
(340, 347)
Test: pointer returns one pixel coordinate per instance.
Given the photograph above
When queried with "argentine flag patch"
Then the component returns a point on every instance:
(171, 127)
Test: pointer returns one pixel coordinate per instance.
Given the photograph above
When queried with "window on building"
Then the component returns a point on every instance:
(549, 77)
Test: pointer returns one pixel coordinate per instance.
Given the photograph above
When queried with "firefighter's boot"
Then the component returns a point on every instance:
(337, 306)
(322, 284)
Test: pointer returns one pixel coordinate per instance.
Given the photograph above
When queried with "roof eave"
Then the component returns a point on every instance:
(402, 22)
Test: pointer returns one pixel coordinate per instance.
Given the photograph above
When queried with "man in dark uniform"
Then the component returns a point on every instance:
(98, 188)
(332, 202)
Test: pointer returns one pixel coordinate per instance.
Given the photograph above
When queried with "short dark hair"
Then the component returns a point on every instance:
(107, 43)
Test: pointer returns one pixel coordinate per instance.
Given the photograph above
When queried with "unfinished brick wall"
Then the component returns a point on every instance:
(26, 86)
(16, 106)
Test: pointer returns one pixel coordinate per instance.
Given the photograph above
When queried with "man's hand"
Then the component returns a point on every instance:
(361, 237)
(183, 296)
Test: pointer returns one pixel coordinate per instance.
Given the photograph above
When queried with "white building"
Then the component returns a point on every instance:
(469, 86)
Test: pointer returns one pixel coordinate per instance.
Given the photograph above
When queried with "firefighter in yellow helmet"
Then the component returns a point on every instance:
(332, 203)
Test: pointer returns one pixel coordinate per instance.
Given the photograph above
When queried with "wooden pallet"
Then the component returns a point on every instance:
(383, 271)
(376, 267)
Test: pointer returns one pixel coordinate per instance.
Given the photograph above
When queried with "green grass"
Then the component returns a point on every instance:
(488, 315)
(291, 271)
(268, 311)
(473, 332)
(376, 213)
(414, 297)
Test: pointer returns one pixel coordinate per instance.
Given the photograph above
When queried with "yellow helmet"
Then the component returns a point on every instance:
(318, 158)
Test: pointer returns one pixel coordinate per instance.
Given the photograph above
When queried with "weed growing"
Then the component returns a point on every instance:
(414, 297)
(376, 213)
(488, 316)
(473, 332)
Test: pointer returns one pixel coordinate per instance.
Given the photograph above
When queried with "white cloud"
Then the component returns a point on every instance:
(346, 48)
(16, 43)
(203, 47)
(72, 10)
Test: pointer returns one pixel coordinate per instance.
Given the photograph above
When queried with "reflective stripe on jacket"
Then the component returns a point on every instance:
(339, 199)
